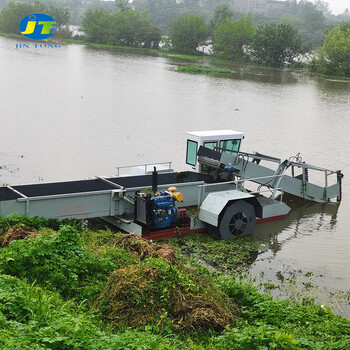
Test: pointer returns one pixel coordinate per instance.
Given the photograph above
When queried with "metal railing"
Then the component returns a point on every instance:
(320, 176)
(145, 167)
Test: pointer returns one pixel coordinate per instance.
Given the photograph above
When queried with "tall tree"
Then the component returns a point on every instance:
(313, 24)
(323, 6)
(123, 5)
(61, 15)
(187, 32)
(161, 11)
(232, 37)
(333, 58)
(308, 18)
(277, 44)
(221, 13)
(97, 26)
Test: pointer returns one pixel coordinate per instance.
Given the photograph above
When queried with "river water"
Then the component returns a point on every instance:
(75, 112)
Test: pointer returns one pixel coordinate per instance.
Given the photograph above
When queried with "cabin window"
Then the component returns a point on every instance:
(210, 145)
(230, 146)
(191, 155)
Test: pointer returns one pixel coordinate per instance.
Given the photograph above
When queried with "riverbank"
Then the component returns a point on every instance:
(167, 53)
(200, 60)
(162, 52)
(80, 288)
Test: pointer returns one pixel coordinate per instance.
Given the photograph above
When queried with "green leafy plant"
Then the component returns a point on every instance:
(58, 261)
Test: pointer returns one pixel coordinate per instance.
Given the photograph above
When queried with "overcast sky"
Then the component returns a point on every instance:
(338, 6)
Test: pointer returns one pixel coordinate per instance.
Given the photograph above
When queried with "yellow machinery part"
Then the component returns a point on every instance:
(178, 196)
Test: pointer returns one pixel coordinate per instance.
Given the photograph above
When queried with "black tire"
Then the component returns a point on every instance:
(238, 220)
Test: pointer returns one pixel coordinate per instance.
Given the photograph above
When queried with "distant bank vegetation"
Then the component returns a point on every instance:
(282, 39)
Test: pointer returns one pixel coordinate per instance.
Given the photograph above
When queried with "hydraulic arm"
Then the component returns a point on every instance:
(276, 174)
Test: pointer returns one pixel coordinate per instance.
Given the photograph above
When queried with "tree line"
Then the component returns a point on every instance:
(270, 44)
(11, 15)
(125, 27)
(240, 40)
(232, 37)
(311, 18)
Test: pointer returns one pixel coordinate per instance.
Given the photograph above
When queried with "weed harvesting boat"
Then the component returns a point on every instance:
(221, 189)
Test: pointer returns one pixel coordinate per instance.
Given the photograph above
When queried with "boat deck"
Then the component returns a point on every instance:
(95, 185)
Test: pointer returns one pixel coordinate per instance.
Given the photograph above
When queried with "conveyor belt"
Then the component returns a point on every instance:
(83, 186)
(6, 194)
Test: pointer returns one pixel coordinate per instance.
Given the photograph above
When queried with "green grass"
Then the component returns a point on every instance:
(266, 321)
(204, 69)
(34, 318)
(80, 289)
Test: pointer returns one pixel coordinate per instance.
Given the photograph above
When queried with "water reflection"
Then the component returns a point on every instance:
(304, 219)
(265, 75)
(334, 86)
(255, 73)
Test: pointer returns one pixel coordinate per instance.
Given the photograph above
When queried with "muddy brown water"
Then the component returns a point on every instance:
(75, 112)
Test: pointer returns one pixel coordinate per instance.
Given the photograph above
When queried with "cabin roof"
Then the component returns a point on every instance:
(219, 134)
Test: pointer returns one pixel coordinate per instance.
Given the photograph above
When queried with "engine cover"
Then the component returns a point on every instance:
(156, 212)
(164, 211)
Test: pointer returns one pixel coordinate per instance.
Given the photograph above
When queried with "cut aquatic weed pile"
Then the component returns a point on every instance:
(159, 293)
(204, 69)
(19, 226)
(134, 243)
(16, 233)
(130, 281)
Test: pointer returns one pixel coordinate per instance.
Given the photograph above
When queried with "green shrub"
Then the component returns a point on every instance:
(333, 57)
(61, 263)
(35, 222)
(203, 69)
